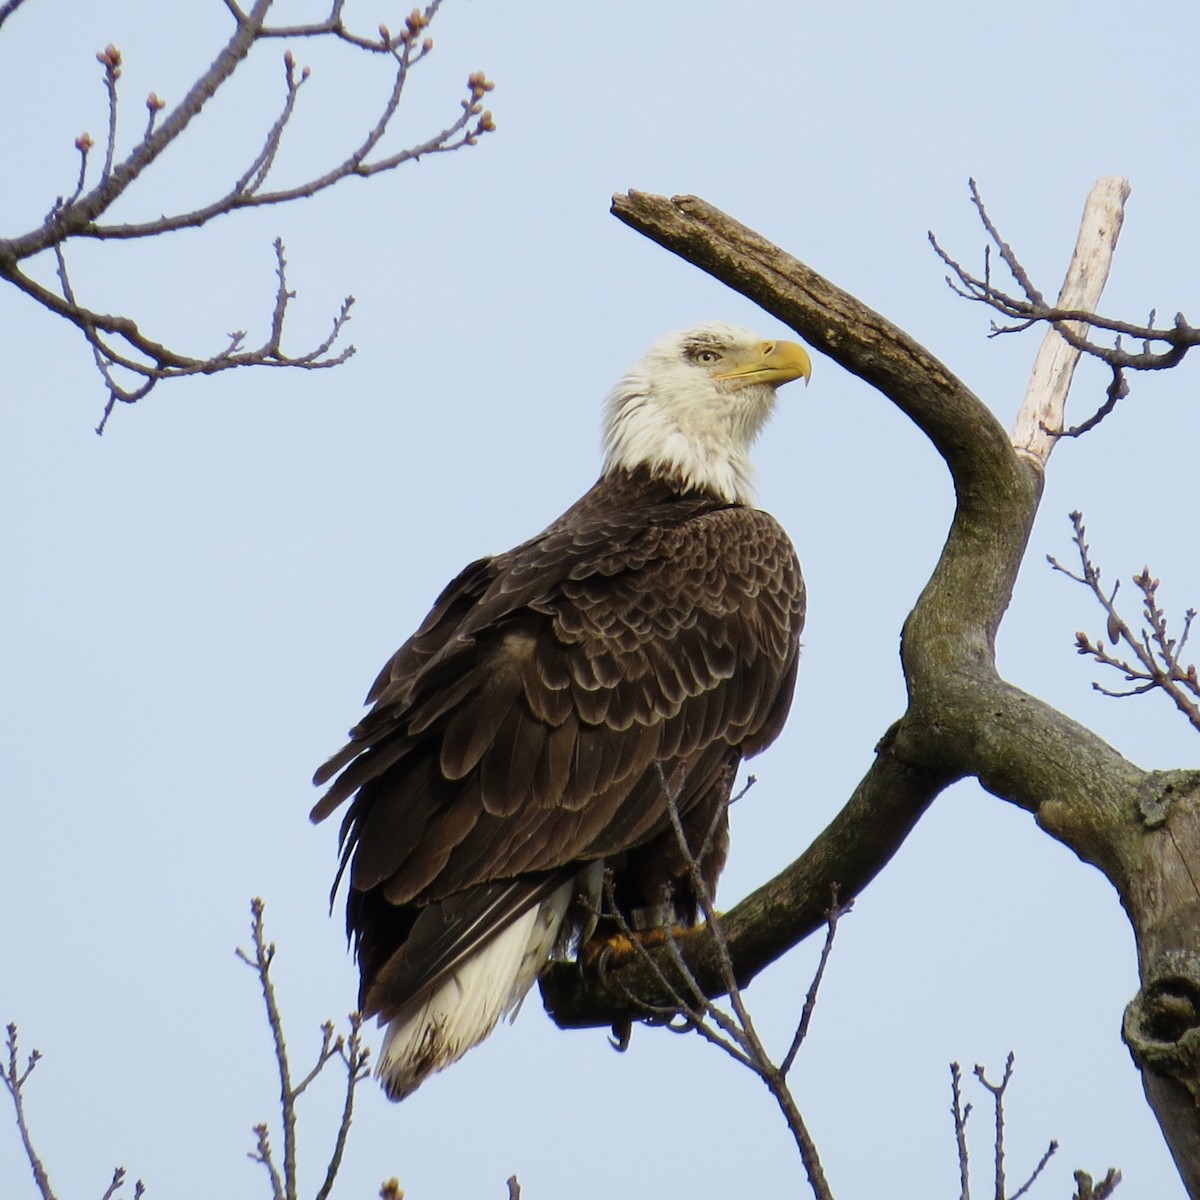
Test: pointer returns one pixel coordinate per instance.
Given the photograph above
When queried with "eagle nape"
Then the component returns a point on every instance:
(536, 729)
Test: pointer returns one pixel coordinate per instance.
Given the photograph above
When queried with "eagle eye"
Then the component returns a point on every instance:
(707, 357)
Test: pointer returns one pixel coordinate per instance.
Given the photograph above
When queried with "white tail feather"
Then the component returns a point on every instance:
(442, 1025)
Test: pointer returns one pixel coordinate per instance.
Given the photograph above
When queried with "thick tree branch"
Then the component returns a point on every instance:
(963, 719)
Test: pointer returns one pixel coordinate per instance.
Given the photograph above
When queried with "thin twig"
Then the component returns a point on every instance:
(101, 354)
(14, 1081)
(83, 143)
(833, 913)
(262, 1154)
(704, 898)
(110, 59)
(1051, 1150)
(256, 173)
(1156, 654)
(960, 1112)
(353, 1054)
(264, 954)
(330, 1048)
(1117, 390)
(1006, 253)
(997, 1090)
(153, 107)
(115, 1184)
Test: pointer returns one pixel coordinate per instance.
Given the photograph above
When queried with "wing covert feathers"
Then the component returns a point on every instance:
(517, 736)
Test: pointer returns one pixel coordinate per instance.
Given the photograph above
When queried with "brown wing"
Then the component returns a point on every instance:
(518, 733)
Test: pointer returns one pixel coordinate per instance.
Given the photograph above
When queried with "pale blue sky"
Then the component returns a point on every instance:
(196, 604)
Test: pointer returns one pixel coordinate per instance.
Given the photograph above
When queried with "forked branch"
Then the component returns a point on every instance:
(1071, 317)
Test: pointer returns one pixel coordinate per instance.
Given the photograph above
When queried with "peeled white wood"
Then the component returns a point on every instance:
(1041, 415)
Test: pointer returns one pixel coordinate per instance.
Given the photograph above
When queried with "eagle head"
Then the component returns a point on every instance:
(690, 408)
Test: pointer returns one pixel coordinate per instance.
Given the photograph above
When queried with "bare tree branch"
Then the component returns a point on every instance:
(1042, 1162)
(1117, 390)
(1157, 653)
(354, 1056)
(15, 1077)
(117, 341)
(350, 1050)
(833, 914)
(960, 1112)
(997, 1090)
(1071, 318)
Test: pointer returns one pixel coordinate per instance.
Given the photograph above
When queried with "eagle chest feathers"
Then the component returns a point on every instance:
(521, 742)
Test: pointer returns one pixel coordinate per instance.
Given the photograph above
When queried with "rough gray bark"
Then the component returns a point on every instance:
(1141, 829)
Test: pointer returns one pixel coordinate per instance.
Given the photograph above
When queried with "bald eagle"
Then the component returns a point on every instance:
(524, 739)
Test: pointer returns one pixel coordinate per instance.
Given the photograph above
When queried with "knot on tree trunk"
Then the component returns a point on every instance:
(1162, 1023)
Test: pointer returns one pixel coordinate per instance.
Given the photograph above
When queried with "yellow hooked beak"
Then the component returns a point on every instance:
(771, 362)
